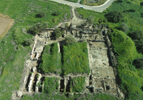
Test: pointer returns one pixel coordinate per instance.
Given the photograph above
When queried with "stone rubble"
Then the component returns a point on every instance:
(102, 77)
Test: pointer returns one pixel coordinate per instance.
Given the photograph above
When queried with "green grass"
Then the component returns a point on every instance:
(98, 96)
(51, 85)
(131, 81)
(75, 1)
(51, 59)
(12, 50)
(131, 11)
(75, 58)
(77, 84)
(93, 17)
(87, 2)
(12, 74)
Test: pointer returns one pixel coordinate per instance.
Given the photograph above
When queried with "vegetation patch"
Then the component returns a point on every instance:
(75, 58)
(5, 24)
(98, 96)
(130, 78)
(57, 33)
(127, 48)
(51, 85)
(92, 2)
(51, 59)
(77, 84)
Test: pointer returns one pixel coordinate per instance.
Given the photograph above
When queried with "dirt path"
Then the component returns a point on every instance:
(74, 20)
(5, 24)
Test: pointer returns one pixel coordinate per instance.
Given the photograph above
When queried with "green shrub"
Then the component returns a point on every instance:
(130, 80)
(57, 33)
(37, 28)
(70, 40)
(114, 16)
(138, 63)
(138, 39)
(123, 27)
(40, 15)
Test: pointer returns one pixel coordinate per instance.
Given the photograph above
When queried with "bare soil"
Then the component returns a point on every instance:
(5, 24)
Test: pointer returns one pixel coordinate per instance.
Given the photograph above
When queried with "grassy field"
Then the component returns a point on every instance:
(75, 58)
(12, 48)
(125, 21)
(51, 59)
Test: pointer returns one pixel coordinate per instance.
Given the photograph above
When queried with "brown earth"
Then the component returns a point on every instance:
(5, 24)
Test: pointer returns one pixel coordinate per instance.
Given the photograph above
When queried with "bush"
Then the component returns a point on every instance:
(136, 35)
(55, 13)
(57, 33)
(70, 40)
(114, 16)
(40, 15)
(26, 43)
(37, 28)
(138, 39)
(123, 27)
(138, 63)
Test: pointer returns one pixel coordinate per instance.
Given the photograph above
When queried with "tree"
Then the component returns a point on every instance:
(123, 27)
(40, 15)
(55, 13)
(57, 33)
(37, 28)
(138, 63)
(114, 16)
(138, 40)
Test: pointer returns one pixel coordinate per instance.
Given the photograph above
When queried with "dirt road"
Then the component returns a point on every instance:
(5, 24)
